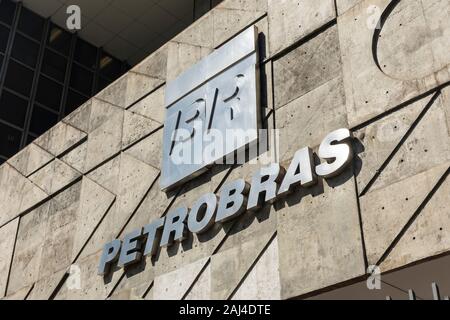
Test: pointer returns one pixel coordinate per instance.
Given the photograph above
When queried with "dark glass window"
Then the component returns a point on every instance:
(1, 63)
(102, 83)
(9, 140)
(54, 65)
(31, 24)
(85, 53)
(30, 139)
(49, 93)
(7, 9)
(4, 34)
(19, 78)
(201, 7)
(81, 79)
(13, 108)
(25, 50)
(109, 66)
(74, 100)
(59, 39)
(42, 120)
(2, 161)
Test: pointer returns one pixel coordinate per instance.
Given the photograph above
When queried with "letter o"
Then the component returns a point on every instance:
(207, 207)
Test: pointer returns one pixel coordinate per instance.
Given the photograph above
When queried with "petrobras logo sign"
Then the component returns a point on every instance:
(212, 111)
(267, 185)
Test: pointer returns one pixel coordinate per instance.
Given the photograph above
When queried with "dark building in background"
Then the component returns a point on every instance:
(46, 72)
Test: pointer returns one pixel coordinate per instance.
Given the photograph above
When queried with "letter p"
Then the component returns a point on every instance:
(109, 255)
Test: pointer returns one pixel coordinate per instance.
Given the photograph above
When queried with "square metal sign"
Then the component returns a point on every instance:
(212, 110)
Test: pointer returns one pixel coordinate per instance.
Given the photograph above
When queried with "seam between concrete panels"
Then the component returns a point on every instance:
(400, 106)
(279, 54)
(414, 216)
(238, 286)
(12, 256)
(401, 142)
(361, 228)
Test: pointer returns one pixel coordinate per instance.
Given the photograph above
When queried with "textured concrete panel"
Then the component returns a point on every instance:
(173, 285)
(7, 240)
(60, 138)
(230, 17)
(386, 211)
(149, 150)
(379, 139)
(29, 246)
(227, 272)
(20, 294)
(290, 20)
(202, 288)
(136, 127)
(44, 287)
(93, 287)
(80, 117)
(106, 139)
(94, 203)
(76, 158)
(427, 236)
(135, 179)
(30, 159)
(426, 147)
(307, 67)
(107, 175)
(181, 56)
(310, 225)
(344, 5)
(54, 176)
(154, 65)
(61, 221)
(263, 281)
(307, 120)
(372, 89)
(17, 193)
(152, 106)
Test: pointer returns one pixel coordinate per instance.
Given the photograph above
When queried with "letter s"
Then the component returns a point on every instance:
(336, 146)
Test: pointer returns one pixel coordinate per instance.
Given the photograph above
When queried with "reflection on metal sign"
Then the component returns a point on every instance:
(211, 110)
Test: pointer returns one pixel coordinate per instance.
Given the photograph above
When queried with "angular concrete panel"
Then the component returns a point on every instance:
(308, 119)
(29, 247)
(427, 146)
(229, 266)
(372, 88)
(307, 67)
(60, 138)
(149, 150)
(54, 176)
(290, 21)
(30, 159)
(94, 203)
(230, 17)
(263, 281)
(18, 193)
(385, 212)
(428, 235)
(152, 106)
(379, 139)
(173, 285)
(310, 225)
(59, 236)
(136, 127)
(7, 240)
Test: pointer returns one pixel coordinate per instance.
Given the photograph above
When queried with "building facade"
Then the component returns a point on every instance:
(379, 68)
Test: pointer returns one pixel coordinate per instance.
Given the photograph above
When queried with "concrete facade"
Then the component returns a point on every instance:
(94, 176)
